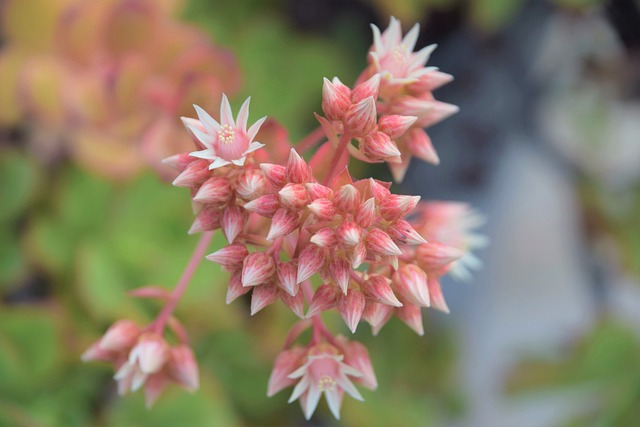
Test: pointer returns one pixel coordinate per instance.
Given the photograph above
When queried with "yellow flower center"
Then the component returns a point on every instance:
(400, 54)
(326, 383)
(226, 134)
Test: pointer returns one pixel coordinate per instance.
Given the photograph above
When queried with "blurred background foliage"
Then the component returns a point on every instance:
(86, 212)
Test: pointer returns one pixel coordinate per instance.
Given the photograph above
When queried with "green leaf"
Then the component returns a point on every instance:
(18, 183)
(492, 15)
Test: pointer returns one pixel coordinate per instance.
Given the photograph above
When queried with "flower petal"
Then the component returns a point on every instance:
(243, 115)
(253, 130)
(255, 145)
(203, 137)
(411, 37)
(226, 116)
(209, 123)
(218, 163)
(300, 388)
(313, 397)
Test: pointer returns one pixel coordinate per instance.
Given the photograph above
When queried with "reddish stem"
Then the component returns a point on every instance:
(178, 291)
(339, 160)
(310, 140)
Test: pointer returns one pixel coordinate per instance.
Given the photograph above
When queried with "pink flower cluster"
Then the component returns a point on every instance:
(309, 235)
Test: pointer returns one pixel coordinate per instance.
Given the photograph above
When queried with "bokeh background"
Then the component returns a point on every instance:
(547, 146)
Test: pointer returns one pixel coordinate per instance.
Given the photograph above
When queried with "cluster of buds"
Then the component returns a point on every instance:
(309, 235)
(143, 359)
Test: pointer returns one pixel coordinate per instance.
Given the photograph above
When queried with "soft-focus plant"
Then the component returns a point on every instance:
(307, 234)
(105, 80)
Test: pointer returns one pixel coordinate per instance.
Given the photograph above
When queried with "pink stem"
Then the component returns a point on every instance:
(339, 159)
(310, 140)
(176, 294)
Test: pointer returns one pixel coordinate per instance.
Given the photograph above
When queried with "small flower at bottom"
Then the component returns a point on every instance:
(324, 372)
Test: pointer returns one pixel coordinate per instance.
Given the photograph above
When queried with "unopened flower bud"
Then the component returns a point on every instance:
(258, 268)
(151, 353)
(366, 213)
(323, 299)
(207, 220)
(266, 205)
(283, 222)
(395, 125)
(358, 255)
(276, 174)
(340, 271)
(347, 198)
(379, 243)
(230, 257)
(193, 175)
(379, 190)
(251, 184)
(411, 315)
(286, 362)
(232, 222)
(287, 275)
(349, 233)
(433, 255)
(183, 367)
(396, 206)
(366, 89)
(317, 191)
(335, 102)
(235, 288)
(297, 170)
(350, 307)
(357, 356)
(294, 196)
(361, 118)
(378, 146)
(436, 295)
(214, 190)
(411, 283)
(401, 231)
(322, 208)
(420, 145)
(120, 336)
(378, 288)
(295, 303)
(325, 238)
(262, 296)
(310, 262)
(377, 314)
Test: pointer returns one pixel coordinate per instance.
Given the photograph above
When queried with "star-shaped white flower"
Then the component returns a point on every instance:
(226, 142)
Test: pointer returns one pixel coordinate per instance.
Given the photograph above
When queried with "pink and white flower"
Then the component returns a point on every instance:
(226, 142)
(324, 372)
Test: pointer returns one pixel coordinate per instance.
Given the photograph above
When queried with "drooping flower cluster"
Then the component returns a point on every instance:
(309, 235)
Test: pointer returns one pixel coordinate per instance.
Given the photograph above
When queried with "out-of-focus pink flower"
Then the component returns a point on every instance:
(228, 141)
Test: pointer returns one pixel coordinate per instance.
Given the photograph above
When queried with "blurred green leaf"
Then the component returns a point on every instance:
(18, 183)
(492, 15)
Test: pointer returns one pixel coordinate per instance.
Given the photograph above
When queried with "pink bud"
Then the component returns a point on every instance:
(154, 385)
(120, 336)
(323, 299)
(358, 255)
(340, 271)
(366, 213)
(235, 288)
(357, 356)
(183, 367)
(420, 145)
(232, 222)
(194, 174)
(351, 307)
(395, 125)
(436, 295)
(347, 199)
(377, 315)
(366, 89)
(401, 231)
(294, 196)
(411, 283)
(266, 205)
(151, 353)
(286, 362)
(295, 303)
(275, 174)
(317, 191)
(433, 255)
(283, 222)
(378, 288)
(335, 102)
(262, 296)
(251, 184)
(325, 238)
(257, 269)
(379, 243)
(297, 170)
(287, 277)
(310, 262)
(361, 118)
(378, 146)
(207, 220)
(322, 208)
(179, 161)
(412, 316)
(230, 257)
(349, 233)
(378, 189)
(395, 206)
(214, 190)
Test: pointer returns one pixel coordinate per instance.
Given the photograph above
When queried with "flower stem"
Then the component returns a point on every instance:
(310, 140)
(339, 159)
(160, 322)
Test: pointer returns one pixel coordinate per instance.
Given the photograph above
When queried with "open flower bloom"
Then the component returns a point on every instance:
(324, 372)
(228, 141)
(393, 56)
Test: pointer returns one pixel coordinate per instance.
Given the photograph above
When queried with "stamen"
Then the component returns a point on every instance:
(326, 383)
(226, 135)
